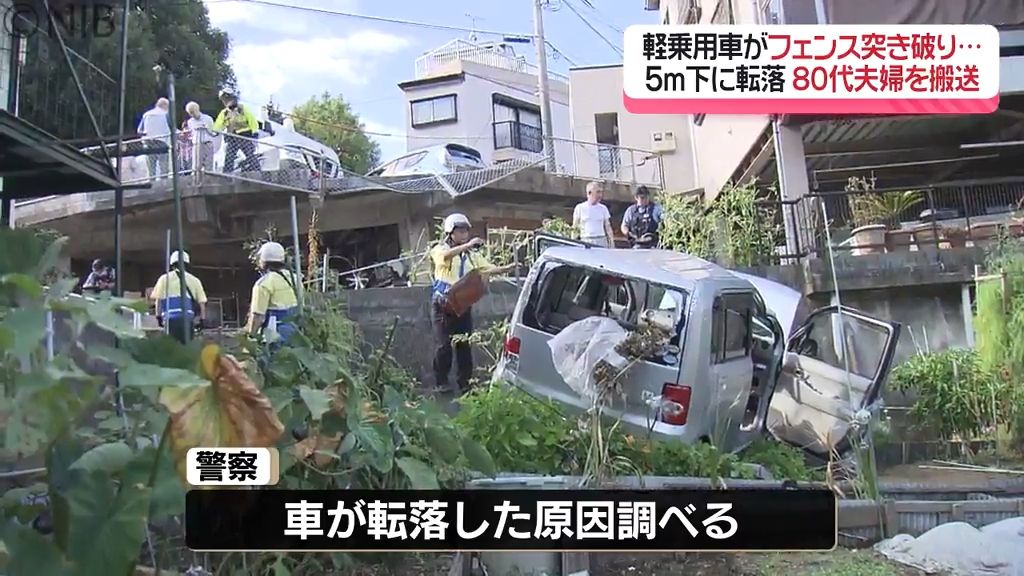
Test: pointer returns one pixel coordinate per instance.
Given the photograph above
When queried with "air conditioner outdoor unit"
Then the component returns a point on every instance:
(653, 5)
(663, 142)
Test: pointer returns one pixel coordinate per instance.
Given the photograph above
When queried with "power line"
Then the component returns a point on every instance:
(601, 20)
(474, 30)
(381, 18)
(583, 19)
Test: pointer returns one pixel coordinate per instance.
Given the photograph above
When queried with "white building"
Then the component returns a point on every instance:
(628, 145)
(486, 97)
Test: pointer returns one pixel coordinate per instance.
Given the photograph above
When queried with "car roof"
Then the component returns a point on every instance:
(659, 266)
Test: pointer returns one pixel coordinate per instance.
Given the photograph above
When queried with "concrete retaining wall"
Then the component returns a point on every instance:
(922, 291)
(375, 309)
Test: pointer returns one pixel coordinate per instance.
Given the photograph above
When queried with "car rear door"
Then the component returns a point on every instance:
(836, 363)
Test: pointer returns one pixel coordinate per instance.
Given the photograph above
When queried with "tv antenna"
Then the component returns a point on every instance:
(473, 19)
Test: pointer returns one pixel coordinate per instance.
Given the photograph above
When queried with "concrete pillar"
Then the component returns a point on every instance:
(968, 311)
(414, 237)
(791, 164)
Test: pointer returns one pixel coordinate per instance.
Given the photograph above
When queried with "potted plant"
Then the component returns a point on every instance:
(869, 226)
(890, 207)
(956, 236)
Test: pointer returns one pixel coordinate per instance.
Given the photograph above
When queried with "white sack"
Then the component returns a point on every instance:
(576, 350)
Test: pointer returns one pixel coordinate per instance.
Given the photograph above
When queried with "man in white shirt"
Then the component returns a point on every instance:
(155, 128)
(592, 218)
(200, 127)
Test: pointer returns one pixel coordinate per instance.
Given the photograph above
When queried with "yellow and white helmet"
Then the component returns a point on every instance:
(454, 221)
(177, 257)
(271, 252)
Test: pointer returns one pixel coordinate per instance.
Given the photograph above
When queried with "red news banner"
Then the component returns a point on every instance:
(872, 69)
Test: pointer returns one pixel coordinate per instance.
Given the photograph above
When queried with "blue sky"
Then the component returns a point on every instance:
(291, 54)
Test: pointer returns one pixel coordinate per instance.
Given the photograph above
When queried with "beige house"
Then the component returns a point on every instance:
(627, 144)
(810, 159)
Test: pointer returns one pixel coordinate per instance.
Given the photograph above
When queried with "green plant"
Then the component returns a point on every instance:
(520, 432)
(999, 324)
(685, 225)
(783, 461)
(954, 395)
(489, 340)
(869, 208)
(737, 229)
(530, 435)
(749, 228)
(103, 483)
(558, 227)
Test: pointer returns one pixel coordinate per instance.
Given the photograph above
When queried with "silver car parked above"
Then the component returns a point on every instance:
(732, 370)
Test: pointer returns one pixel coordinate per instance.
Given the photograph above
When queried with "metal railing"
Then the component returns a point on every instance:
(439, 60)
(947, 216)
(611, 162)
(512, 134)
(65, 87)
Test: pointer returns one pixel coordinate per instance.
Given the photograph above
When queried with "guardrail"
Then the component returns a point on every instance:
(610, 162)
(929, 218)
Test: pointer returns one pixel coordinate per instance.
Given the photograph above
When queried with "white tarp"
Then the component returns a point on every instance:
(960, 549)
(576, 350)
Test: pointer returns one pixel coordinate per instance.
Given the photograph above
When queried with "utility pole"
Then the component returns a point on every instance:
(542, 82)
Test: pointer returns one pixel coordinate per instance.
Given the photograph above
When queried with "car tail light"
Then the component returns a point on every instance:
(512, 345)
(675, 404)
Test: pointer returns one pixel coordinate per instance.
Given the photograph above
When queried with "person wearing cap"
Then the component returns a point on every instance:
(241, 124)
(453, 258)
(179, 314)
(274, 298)
(101, 279)
(641, 222)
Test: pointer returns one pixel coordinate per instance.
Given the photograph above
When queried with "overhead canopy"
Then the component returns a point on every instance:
(35, 164)
(902, 151)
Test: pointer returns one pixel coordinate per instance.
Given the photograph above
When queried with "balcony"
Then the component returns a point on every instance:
(56, 100)
(518, 136)
(499, 55)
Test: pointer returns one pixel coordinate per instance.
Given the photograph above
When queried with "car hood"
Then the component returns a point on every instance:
(782, 300)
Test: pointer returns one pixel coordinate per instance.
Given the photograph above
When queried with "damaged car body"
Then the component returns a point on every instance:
(745, 355)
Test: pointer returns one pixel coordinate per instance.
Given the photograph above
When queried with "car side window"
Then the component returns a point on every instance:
(731, 327)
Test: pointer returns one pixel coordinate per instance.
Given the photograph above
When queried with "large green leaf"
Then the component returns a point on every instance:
(31, 554)
(50, 259)
(479, 458)
(322, 366)
(104, 315)
(317, 401)
(163, 350)
(443, 443)
(420, 475)
(26, 285)
(41, 410)
(378, 446)
(28, 328)
(107, 526)
(110, 458)
(168, 496)
(150, 376)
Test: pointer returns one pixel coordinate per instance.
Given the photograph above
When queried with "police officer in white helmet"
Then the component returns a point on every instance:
(179, 314)
(453, 258)
(274, 297)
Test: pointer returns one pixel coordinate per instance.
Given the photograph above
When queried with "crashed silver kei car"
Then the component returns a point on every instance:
(745, 357)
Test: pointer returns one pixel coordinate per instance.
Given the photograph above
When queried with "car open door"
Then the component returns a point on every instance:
(835, 364)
